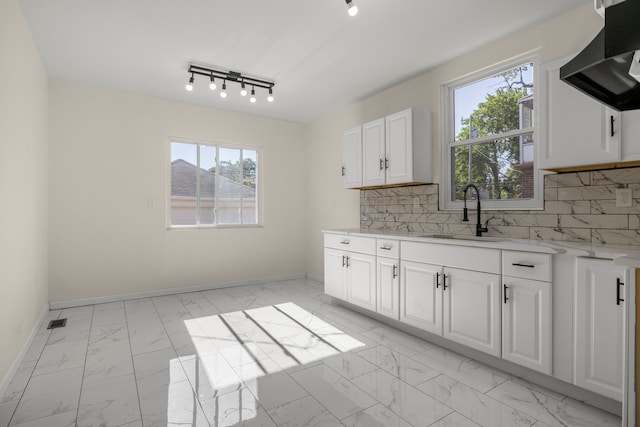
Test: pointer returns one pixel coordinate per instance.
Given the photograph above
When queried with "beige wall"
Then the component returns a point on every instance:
(23, 184)
(330, 206)
(109, 156)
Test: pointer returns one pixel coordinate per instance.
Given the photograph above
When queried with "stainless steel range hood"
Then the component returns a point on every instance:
(601, 70)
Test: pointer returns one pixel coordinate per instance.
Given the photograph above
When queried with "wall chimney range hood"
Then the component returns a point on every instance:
(608, 68)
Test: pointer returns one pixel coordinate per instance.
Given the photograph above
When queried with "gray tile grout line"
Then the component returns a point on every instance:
(133, 365)
(84, 366)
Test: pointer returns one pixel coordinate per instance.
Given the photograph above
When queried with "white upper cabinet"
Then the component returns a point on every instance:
(396, 149)
(373, 153)
(352, 158)
(575, 129)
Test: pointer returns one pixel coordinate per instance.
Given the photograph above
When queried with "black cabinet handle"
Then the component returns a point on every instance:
(444, 282)
(505, 293)
(381, 164)
(386, 163)
(518, 264)
(437, 280)
(613, 132)
(618, 284)
(347, 261)
(395, 271)
(343, 261)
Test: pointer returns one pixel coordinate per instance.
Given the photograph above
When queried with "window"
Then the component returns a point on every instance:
(212, 185)
(490, 136)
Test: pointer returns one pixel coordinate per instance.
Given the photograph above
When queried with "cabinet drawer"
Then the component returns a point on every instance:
(527, 265)
(388, 248)
(365, 245)
(467, 258)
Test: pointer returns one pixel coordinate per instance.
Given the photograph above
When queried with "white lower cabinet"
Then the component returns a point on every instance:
(420, 296)
(388, 287)
(350, 269)
(472, 309)
(527, 310)
(601, 291)
(335, 275)
(526, 323)
(361, 280)
(460, 304)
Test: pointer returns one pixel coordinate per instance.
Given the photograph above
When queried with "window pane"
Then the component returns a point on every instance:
(183, 183)
(494, 105)
(230, 186)
(207, 184)
(249, 188)
(501, 169)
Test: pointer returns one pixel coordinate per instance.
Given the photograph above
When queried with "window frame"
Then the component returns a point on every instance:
(449, 142)
(217, 146)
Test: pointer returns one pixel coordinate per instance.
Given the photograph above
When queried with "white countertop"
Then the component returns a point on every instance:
(627, 256)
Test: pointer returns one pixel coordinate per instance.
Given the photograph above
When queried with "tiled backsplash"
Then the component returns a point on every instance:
(578, 206)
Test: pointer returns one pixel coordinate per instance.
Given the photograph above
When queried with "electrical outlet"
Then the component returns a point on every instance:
(623, 198)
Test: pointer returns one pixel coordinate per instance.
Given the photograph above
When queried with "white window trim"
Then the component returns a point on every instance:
(217, 145)
(448, 135)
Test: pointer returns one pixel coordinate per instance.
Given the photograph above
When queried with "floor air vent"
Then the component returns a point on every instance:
(57, 323)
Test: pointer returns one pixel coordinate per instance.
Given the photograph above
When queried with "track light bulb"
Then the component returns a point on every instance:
(352, 9)
(223, 92)
(189, 85)
(212, 85)
(253, 95)
(270, 97)
(243, 91)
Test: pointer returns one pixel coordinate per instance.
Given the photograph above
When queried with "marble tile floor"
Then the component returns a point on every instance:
(275, 354)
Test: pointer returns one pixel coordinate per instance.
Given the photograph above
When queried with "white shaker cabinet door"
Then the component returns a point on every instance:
(420, 296)
(374, 158)
(361, 280)
(335, 273)
(472, 309)
(526, 323)
(399, 147)
(388, 287)
(352, 158)
(574, 129)
(600, 326)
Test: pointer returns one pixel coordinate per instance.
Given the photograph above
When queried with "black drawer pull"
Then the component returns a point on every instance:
(518, 264)
(344, 242)
(505, 293)
(437, 280)
(444, 282)
(618, 284)
(386, 247)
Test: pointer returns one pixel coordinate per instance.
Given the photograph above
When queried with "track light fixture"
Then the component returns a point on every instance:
(189, 85)
(230, 76)
(223, 92)
(352, 9)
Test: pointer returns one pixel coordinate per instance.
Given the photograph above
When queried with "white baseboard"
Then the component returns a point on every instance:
(56, 305)
(4, 383)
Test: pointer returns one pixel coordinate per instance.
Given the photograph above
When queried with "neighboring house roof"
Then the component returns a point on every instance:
(183, 182)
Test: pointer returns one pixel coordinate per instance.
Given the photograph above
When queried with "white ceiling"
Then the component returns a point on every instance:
(320, 58)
